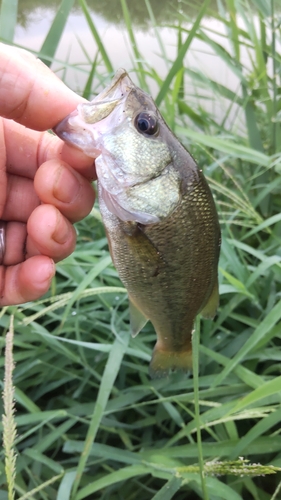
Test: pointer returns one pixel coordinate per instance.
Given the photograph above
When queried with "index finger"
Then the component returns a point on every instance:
(31, 93)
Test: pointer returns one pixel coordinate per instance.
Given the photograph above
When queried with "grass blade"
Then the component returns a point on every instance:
(169, 489)
(103, 263)
(29, 494)
(178, 63)
(156, 31)
(8, 19)
(87, 92)
(266, 325)
(195, 363)
(134, 45)
(65, 486)
(276, 123)
(278, 489)
(253, 132)
(112, 478)
(53, 37)
(225, 146)
(266, 390)
(109, 375)
(96, 36)
(255, 432)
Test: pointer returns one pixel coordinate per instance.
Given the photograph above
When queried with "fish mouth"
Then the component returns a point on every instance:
(78, 128)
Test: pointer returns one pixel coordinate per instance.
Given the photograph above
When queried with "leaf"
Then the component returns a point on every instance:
(53, 37)
(265, 224)
(38, 457)
(97, 269)
(178, 63)
(96, 36)
(112, 478)
(255, 432)
(237, 284)
(8, 19)
(169, 489)
(251, 120)
(109, 375)
(267, 324)
(235, 150)
(65, 486)
(267, 389)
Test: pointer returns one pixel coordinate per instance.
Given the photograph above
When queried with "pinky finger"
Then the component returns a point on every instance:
(26, 281)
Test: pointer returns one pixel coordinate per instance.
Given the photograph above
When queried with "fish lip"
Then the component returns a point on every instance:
(104, 103)
(73, 137)
(77, 129)
(121, 77)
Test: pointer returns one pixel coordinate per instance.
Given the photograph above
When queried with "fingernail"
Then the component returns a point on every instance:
(61, 232)
(67, 186)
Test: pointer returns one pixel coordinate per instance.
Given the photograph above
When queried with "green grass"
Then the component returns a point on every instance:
(90, 422)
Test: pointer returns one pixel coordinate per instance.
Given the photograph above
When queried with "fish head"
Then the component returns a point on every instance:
(134, 150)
(79, 127)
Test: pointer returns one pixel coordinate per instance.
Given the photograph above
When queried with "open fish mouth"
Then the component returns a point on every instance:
(78, 128)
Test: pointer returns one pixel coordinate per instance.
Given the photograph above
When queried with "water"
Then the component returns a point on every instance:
(78, 47)
(77, 39)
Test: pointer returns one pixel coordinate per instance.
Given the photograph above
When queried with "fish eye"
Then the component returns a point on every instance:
(146, 123)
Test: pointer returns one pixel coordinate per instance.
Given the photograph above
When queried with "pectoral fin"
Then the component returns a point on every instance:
(146, 254)
(210, 309)
(137, 319)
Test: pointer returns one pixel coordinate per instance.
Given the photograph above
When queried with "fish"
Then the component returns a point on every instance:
(159, 214)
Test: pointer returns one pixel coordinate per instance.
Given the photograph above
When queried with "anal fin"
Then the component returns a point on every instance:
(137, 319)
(210, 309)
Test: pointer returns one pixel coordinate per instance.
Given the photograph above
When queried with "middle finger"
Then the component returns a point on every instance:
(56, 183)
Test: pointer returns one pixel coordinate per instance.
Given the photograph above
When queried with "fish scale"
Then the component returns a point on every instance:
(159, 214)
(173, 296)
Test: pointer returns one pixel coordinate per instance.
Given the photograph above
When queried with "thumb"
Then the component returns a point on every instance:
(31, 93)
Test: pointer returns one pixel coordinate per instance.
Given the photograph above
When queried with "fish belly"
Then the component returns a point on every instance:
(170, 272)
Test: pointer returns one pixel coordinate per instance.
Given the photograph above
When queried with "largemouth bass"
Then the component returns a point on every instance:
(159, 215)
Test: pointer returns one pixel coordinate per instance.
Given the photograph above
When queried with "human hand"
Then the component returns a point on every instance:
(45, 185)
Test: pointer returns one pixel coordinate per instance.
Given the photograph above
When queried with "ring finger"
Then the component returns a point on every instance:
(49, 233)
(13, 243)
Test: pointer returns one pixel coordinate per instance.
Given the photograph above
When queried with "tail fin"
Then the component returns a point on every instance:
(163, 362)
